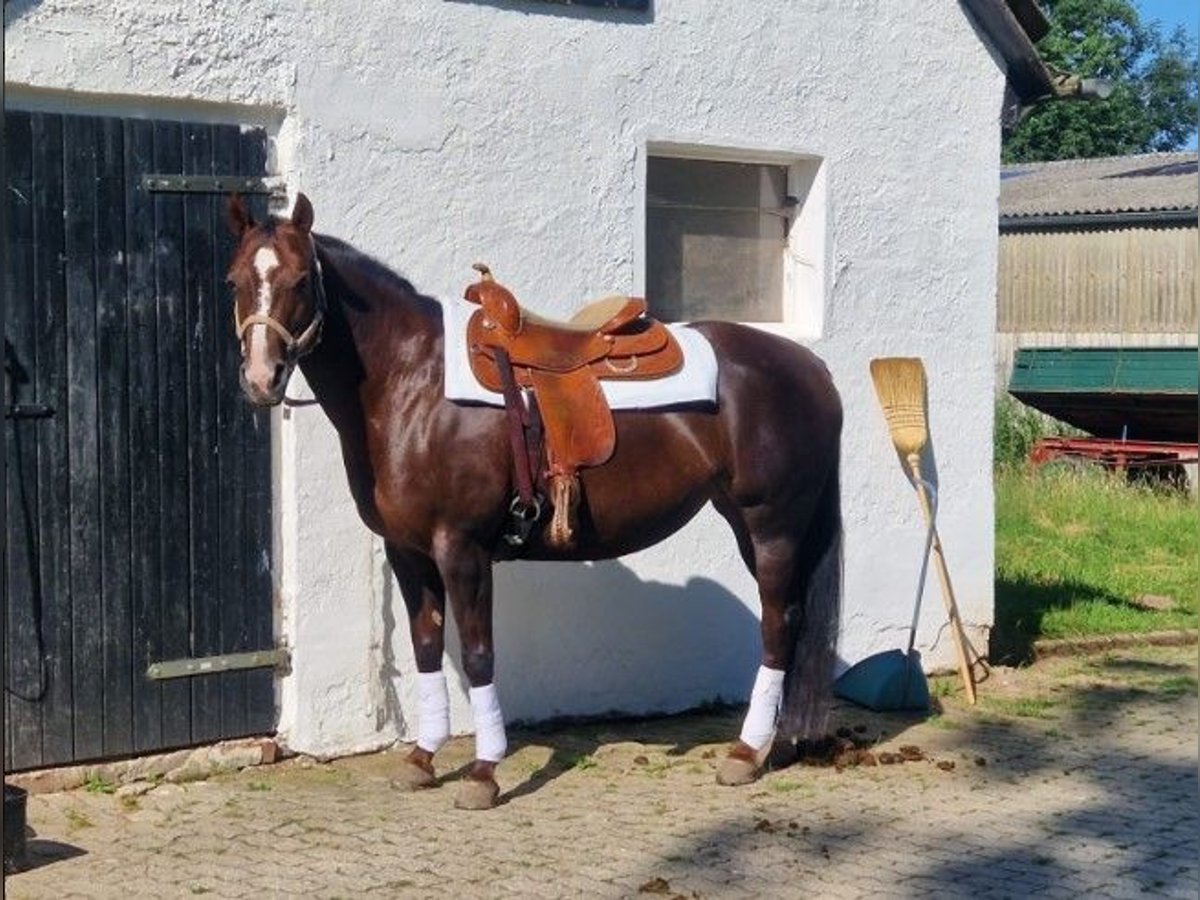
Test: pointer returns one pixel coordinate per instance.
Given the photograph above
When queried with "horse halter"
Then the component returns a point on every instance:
(294, 347)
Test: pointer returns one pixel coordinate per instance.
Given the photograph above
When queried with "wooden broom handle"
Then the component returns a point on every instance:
(956, 626)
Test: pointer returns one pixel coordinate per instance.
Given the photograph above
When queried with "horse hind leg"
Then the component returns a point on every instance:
(798, 571)
(774, 566)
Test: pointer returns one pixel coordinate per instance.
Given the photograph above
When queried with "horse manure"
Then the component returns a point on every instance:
(911, 753)
(764, 825)
(792, 826)
(655, 886)
(946, 765)
(980, 761)
(889, 759)
(641, 761)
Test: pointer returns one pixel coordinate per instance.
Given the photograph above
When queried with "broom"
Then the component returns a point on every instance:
(900, 386)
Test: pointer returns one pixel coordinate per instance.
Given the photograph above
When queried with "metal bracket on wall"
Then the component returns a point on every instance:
(279, 658)
(212, 184)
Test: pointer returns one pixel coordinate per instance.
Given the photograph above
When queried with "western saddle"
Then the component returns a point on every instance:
(561, 364)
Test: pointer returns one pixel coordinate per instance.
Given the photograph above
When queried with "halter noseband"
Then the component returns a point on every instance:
(294, 347)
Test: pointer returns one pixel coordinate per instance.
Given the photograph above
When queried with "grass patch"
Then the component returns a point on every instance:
(581, 762)
(1022, 707)
(76, 819)
(1019, 427)
(788, 785)
(942, 686)
(96, 784)
(937, 720)
(1075, 546)
(1177, 686)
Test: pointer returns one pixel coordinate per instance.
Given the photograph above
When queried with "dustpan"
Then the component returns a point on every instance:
(894, 679)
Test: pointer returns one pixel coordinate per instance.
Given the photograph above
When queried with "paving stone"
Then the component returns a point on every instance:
(1099, 801)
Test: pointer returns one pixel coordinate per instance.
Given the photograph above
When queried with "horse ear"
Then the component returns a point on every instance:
(302, 214)
(238, 217)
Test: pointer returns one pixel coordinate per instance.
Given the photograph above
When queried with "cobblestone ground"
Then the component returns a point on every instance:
(1075, 777)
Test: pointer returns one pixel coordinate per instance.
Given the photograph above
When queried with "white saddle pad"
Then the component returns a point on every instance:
(696, 382)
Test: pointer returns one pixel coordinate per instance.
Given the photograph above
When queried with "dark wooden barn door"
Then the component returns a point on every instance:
(139, 482)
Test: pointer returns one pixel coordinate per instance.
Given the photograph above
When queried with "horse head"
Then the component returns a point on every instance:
(279, 298)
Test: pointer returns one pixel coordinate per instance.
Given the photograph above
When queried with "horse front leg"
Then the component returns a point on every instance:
(425, 601)
(466, 571)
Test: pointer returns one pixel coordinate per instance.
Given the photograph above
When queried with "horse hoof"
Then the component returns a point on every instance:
(412, 777)
(742, 765)
(475, 794)
(734, 771)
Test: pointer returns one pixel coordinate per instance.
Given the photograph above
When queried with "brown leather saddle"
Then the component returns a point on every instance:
(562, 364)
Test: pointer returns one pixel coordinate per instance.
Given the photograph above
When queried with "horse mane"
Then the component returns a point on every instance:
(381, 280)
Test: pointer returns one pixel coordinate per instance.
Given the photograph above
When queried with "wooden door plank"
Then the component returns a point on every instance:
(113, 467)
(83, 512)
(201, 311)
(256, 453)
(26, 667)
(229, 489)
(143, 445)
(171, 381)
(53, 473)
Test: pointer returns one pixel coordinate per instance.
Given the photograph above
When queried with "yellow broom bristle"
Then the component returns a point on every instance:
(900, 386)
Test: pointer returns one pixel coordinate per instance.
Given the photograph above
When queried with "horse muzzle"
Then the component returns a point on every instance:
(264, 385)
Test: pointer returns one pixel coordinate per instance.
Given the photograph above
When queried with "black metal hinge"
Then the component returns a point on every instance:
(29, 411)
(211, 184)
(279, 658)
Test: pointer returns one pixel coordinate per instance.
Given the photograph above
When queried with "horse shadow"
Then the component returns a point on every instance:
(600, 649)
(593, 654)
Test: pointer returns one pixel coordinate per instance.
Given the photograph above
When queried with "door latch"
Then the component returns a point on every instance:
(29, 411)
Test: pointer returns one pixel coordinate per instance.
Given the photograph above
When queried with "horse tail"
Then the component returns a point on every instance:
(814, 622)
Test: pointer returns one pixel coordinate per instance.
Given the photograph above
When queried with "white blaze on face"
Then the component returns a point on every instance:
(258, 367)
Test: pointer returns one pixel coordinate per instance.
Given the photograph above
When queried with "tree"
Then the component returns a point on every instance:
(1156, 85)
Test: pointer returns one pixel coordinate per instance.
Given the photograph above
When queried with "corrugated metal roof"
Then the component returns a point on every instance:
(1116, 184)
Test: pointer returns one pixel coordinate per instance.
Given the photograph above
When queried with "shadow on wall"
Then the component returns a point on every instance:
(629, 12)
(14, 9)
(595, 638)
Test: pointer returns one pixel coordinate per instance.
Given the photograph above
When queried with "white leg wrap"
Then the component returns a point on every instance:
(490, 740)
(759, 725)
(433, 710)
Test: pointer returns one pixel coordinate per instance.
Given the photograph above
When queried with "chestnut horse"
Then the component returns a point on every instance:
(435, 479)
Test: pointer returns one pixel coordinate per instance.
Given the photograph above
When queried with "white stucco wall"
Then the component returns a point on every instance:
(433, 133)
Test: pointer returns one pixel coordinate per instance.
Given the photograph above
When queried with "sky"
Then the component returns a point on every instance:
(1172, 13)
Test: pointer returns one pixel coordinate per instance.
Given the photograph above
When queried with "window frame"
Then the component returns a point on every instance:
(806, 252)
